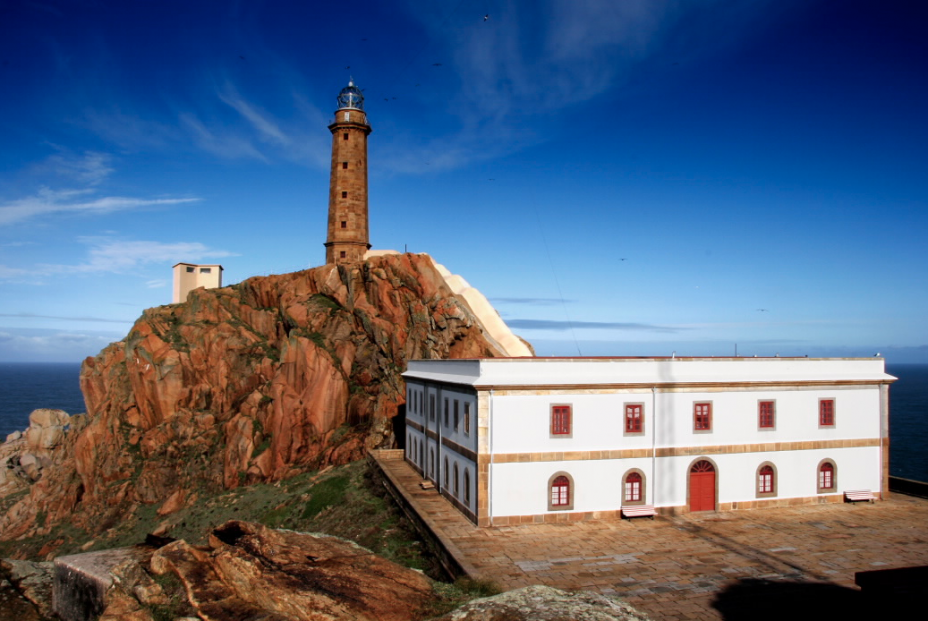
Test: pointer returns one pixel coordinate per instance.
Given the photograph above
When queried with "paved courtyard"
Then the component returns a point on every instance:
(733, 565)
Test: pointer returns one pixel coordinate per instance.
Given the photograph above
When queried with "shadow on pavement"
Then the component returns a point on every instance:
(756, 599)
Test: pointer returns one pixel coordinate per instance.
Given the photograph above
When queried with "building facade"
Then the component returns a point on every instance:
(511, 440)
(348, 235)
(189, 276)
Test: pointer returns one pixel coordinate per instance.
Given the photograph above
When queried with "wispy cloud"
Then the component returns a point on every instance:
(121, 256)
(47, 201)
(533, 301)
(77, 318)
(550, 324)
(117, 256)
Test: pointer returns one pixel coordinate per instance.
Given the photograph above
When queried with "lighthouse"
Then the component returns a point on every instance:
(348, 233)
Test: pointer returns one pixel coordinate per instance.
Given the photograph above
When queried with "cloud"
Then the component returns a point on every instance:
(533, 301)
(221, 142)
(92, 319)
(117, 256)
(47, 201)
(91, 168)
(41, 345)
(549, 324)
(157, 283)
(122, 256)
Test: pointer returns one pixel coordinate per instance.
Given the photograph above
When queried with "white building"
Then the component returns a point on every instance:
(188, 276)
(510, 440)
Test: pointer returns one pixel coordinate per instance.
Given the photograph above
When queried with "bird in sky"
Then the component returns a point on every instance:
(762, 310)
(436, 64)
(486, 17)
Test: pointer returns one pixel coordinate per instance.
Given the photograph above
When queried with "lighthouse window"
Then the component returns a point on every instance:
(344, 194)
(344, 224)
(341, 254)
(344, 165)
(345, 136)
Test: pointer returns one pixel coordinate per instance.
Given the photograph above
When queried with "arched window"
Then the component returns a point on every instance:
(827, 477)
(766, 480)
(432, 463)
(422, 456)
(560, 492)
(633, 488)
(455, 488)
(466, 487)
(446, 473)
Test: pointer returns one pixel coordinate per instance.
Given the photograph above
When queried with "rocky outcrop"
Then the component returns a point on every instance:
(542, 603)
(253, 382)
(261, 573)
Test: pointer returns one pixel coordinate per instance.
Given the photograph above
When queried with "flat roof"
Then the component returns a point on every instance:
(664, 370)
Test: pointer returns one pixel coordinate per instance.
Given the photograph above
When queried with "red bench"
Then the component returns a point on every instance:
(639, 511)
(859, 495)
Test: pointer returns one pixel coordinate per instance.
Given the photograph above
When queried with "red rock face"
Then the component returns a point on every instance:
(253, 382)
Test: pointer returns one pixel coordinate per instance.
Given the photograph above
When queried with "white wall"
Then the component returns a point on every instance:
(522, 488)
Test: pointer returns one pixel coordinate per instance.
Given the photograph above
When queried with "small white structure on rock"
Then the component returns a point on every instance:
(189, 276)
(510, 440)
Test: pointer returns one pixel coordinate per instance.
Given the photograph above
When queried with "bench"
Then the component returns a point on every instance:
(639, 511)
(858, 495)
(427, 485)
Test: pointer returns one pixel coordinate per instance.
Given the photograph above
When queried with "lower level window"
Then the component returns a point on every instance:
(826, 477)
(560, 492)
(633, 487)
(765, 480)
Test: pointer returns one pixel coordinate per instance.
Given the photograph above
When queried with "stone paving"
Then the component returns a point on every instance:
(699, 566)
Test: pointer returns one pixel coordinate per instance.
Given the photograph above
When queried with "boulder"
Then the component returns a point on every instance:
(542, 603)
(46, 430)
(260, 573)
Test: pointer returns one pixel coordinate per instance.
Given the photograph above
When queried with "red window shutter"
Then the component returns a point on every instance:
(826, 412)
(633, 418)
(826, 476)
(560, 419)
(702, 416)
(766, 413)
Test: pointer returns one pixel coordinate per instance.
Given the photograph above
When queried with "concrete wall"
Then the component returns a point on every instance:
(188, 276)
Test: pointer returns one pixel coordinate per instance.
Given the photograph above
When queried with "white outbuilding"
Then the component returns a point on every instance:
(512, 440)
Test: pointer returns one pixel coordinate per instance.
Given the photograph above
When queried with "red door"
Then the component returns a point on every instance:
(702, 486)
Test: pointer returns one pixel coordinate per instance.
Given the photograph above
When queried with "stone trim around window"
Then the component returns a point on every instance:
(773, 492)
(570, 492)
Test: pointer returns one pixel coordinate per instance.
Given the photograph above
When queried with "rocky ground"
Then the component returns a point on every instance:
(255, 383)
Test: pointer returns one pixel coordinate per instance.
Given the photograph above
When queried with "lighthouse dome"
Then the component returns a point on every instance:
(351, 97)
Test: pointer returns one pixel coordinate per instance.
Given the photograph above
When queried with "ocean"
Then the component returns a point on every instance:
(25, 387)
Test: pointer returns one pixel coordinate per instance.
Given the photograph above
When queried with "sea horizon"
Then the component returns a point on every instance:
(25, 387)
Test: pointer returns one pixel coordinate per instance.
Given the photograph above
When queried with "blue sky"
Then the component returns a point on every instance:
(619, 177)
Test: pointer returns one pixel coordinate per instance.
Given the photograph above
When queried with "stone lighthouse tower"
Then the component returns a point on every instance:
(348, 235)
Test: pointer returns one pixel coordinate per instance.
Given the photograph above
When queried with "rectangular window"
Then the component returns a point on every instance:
(205, 270)
(826, 413)
(446, 412)
(634, 419)
(344, 224)
(560, 420)
(466, 417)
(702, 416)
(765, 411)
(344, 194)
(431, 407)
(345, 136)
(456, 415)
(344, 165)
(191, 270)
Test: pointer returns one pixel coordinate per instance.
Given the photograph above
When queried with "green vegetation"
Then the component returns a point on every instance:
(344, 501)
